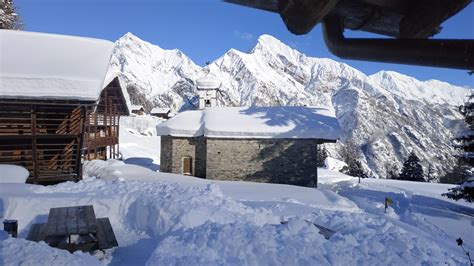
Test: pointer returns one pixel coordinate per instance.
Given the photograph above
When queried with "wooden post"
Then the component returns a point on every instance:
(316, 177)
(118, 135)
(33, 144)
(80, 140)
(105, 123)
(88, 135)
(95, 134)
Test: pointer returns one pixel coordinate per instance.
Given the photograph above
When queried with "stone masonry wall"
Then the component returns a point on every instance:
(173, 149)
(265, 160)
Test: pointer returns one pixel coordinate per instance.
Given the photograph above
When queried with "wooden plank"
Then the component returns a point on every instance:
(37, 232)
(105, 234)
(74, 220)
(33, 144)
(90, 218)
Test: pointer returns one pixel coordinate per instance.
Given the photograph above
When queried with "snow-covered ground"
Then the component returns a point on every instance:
(162, 218)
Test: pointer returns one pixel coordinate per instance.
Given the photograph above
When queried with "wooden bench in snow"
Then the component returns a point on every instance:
(74, 228)
(326, 232)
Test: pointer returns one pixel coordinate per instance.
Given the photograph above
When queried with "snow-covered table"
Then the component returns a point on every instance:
(74, 228)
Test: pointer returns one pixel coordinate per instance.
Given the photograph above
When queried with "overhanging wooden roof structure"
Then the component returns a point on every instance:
(409, 23)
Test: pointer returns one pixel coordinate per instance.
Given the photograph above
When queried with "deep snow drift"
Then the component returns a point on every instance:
(168, 219)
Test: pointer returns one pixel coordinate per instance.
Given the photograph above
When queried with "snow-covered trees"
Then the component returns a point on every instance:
(463, 170)
(412, 169)
(9, 19)
(322, 155)
(354, 168)
(348, 153)
(463, 191)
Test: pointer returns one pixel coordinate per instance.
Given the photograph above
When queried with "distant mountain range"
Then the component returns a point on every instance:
(386, 115)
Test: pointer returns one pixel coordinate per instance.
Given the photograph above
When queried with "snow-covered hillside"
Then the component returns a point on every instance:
(386, 114)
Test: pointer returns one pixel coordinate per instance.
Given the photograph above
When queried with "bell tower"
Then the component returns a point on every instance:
(207, 88)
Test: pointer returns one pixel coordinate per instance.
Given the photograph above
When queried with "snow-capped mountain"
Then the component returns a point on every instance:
(386, 115)
(152, 74)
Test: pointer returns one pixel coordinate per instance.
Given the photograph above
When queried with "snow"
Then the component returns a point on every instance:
(13, 174)
(334, 164)
(372, 110)
(409, 88)
(185, 124)
(208, 82)
(49, 66)
(158, 110)
(169, 219)
(254, 122)
(136, 107)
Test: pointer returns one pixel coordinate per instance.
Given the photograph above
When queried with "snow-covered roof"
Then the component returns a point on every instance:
(49, 66)
(254, 122)
(136, 107)
(208, 82)
(158, 110)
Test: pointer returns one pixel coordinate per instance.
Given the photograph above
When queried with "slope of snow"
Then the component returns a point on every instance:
(174, 219)
(254, 122)
(49, 66)
(409, 88)
(152, 70)
(14, 251)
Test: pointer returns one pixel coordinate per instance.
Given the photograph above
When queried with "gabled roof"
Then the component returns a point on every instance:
(158, 110)
(255, 122)
(49, 66)
(136, 107)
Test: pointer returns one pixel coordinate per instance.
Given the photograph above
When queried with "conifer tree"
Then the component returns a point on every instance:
(322, 155)
(412, 169)
(9, 19)
(462, 173)
(354, 168)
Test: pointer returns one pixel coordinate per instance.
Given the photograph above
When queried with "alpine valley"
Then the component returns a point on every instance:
(386, 115)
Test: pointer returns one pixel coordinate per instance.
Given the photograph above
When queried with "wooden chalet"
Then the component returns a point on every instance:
(58, 106)
(137, 110)
(161, 112)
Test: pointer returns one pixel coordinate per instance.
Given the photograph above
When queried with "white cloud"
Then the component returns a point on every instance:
(244, 35)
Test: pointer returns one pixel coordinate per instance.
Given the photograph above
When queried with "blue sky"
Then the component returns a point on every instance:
(206, 29)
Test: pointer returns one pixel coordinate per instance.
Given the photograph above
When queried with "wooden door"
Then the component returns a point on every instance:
(187, 166)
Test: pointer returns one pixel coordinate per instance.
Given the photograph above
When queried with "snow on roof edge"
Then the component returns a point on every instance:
(51, 66)
(255, 123)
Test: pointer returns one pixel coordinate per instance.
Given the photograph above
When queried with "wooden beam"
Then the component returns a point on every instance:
(33, 144)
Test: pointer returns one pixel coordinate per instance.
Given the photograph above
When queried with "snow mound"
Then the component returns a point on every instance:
(13, 174)
(16, 251)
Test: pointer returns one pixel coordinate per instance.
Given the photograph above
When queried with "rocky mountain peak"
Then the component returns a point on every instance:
(385, 115)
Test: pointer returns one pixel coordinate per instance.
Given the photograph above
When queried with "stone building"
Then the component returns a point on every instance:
(263, 144)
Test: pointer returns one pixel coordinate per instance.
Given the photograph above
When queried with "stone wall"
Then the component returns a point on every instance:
(264, 160)
(173, 149)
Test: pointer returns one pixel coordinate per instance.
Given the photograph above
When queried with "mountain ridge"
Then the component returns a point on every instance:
(386, 114)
